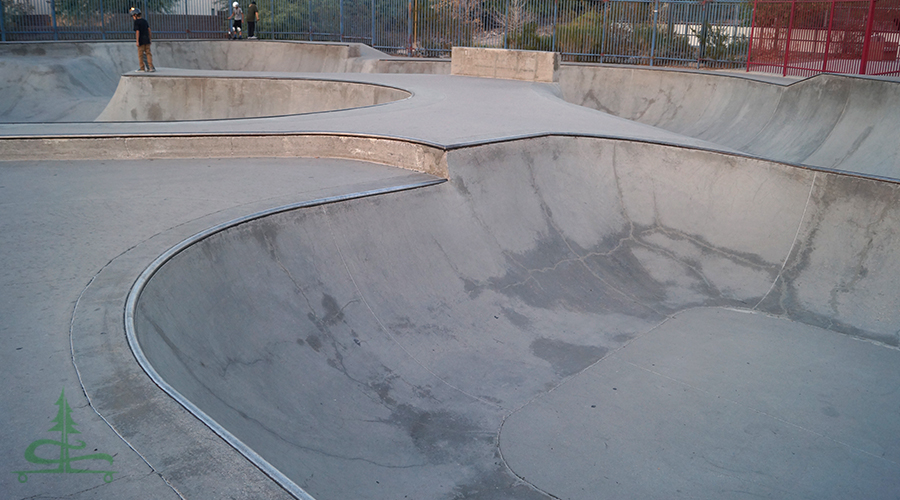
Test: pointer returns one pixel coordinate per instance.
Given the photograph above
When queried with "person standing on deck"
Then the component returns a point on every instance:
(142, 39)
(252, 19)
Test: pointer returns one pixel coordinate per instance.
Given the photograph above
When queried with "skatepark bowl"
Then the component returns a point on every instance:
(630, 283)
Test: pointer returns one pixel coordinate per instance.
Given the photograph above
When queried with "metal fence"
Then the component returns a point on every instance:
(805, 37)
(789, 36)
(684, 32)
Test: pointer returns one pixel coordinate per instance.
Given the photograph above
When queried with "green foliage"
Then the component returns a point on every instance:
(717, 45)
(439, 25)
(82, 8)
(581, 36)
(597, 33)
(667, 45)
(629, 12)
(16, 8)
(13, 10)
(289, 15)
(528, 38)
(321, 19)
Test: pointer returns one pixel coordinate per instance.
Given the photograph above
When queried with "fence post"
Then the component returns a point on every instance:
(828, 38)
(2, 24)
(603, 31)
(655, 24)
(787, 43)
(506, 27)
(555, 24)
(53, 18)
(752, 30)
(870, 19)
(341, 18)
(734, 29)
(457, 31)
(409, 26)
(272, 9)
(102, 23)
(373, 24)
(704, 32)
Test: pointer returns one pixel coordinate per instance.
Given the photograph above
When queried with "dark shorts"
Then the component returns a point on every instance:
(237, 24)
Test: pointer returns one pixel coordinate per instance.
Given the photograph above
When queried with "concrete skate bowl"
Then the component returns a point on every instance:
(565, 318)
(74, 81)
(215, 98)
(839, 122)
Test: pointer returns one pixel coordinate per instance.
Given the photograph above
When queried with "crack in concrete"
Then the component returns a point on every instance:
(790, 251)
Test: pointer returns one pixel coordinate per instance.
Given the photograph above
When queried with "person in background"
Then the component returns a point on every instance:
(142, 39)
(252, 19)
(238, 15)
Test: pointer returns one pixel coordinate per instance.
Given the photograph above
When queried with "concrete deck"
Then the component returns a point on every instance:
(651, 305)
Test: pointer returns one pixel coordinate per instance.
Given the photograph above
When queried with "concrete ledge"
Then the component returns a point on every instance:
(527, 65)
(408, 155)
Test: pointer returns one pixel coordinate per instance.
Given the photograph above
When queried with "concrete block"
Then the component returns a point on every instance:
(527, 65)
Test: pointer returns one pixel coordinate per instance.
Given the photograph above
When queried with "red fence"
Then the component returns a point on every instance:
(805, 37)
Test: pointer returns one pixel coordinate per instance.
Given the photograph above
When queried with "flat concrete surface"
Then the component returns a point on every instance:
(745, 416)
(591, 307)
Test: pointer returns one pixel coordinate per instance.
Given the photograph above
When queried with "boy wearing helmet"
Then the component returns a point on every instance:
(142, 39)
(238, 15)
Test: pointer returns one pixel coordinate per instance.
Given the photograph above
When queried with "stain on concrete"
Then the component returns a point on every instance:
(519, 320)
(497, 484)
(558, 274)
(154, 113)
(265, 232)
(314, 342)
(442, 436)
(334, 313)
(472, 289)
(567, 359)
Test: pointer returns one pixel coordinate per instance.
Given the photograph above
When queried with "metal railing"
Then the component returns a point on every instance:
(805, 37)
(788, 36)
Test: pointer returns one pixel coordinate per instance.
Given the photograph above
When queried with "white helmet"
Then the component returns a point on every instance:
(235, 4)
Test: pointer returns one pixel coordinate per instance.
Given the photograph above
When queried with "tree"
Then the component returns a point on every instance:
(80, 8)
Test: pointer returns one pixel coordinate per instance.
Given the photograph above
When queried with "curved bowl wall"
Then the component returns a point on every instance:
(210, 98)
(389, 338)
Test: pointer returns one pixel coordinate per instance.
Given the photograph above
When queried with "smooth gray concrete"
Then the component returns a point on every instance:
(742, 398)
(174, 98)
(557, 252)
(590, 307)
(831, 121)
(73, 236)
